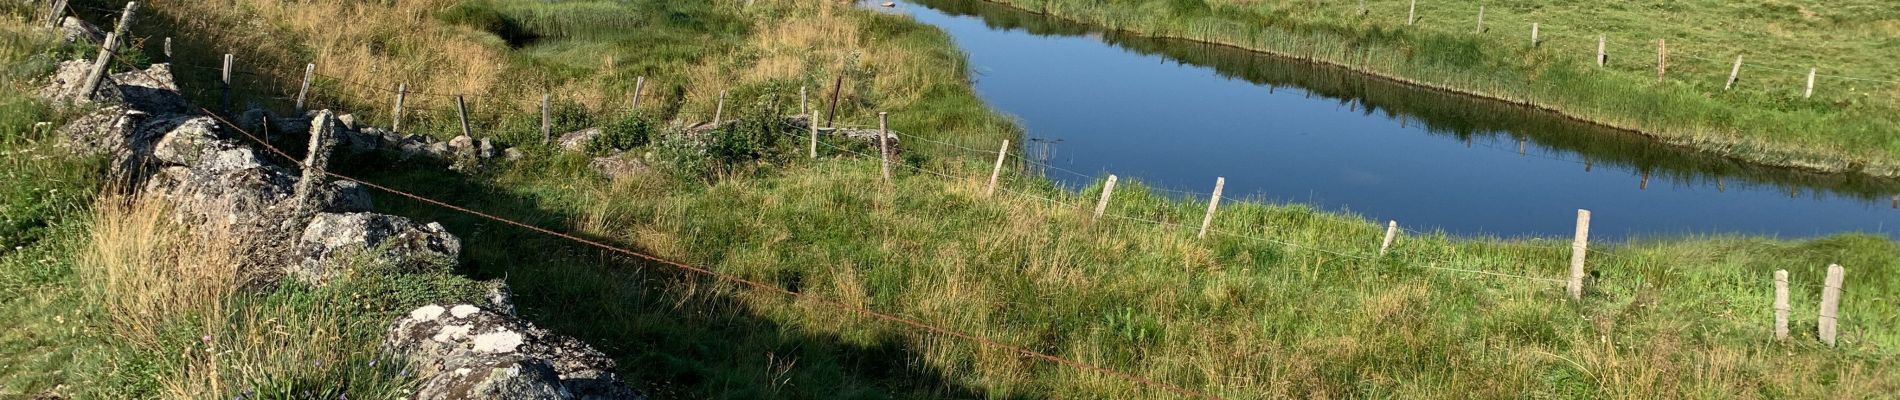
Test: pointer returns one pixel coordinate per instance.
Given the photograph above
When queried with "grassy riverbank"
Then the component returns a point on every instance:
(1848, 126)
(1283, 301)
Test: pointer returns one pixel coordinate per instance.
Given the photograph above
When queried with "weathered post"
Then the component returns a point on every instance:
(812, 126)
(461, 110)
(547, 118)
(113, 40)
(997, 172)
(1662, 59)
(1578, 249)
(719, 110)
(1781, 304)
(1733, 73)
(1533, 35)
(1213, 203)
(1809, 93)
(639, 84)
(1108, 189)
(831, 118)
(884, 145)
(56, 14)
(804, 105)
(314, 162)
(303, 92)
(1831, 303)
(1603, 44)
(1391, 232)
(99, 65)
(1411, 15)
(226, 81)
(168, 49)
(402, 95)
(1362, 7)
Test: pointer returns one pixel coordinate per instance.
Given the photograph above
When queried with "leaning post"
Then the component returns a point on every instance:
(1578, 249)
(997, 171)
(1108, 190)
(1213, 203)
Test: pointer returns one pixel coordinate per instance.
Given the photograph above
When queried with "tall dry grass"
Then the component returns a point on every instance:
(178, 295)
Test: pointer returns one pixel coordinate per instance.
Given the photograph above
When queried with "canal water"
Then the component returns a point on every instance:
(1176, 114)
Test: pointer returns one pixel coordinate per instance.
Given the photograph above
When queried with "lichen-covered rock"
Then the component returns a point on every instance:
(74, 29)
(151, 90)
(869, 136)
(619, 166)
(344, 197)
(577, 141)
(506, 378)
(190, 143)
(389, 240)
(450, 340)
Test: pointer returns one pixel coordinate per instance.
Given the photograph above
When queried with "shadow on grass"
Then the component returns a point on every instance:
(675, 334)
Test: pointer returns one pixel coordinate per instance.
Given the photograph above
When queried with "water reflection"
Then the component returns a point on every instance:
(1180, 112)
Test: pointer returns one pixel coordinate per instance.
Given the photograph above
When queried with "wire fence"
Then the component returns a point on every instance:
(1436, 263)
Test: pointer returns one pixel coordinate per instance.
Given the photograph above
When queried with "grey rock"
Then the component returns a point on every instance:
(620, 166)
(577, 141)
(74, 29)
(151, 90)
(439, 340)
(513, 154)
(388, 240)
(344, 197)
(190, 143)
(508, 378)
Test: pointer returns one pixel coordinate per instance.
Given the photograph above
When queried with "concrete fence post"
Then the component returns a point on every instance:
(229, 61)
(884, 144)
(1809, 93)
(1603, 46)
(639, 84)
(1579, 248)
(1108, 189)
(1781, 305)
(997, 171)
(1831, 304)
(1411, 15)
(1391, 232)
(547, 118)
(1213, 204)
(1533, 35)
(303, 91)
(1733, 73)
(402, 95)
(316, 160)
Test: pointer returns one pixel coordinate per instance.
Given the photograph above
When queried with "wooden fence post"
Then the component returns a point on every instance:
(639, 84)
(56, 14)
(228, 60)
(1781, 304)
(303, 92)
(804, 103)
(547, 120)
(168, 49)
(1603, 44)
(1809, 93)
(831, 118)
(1662, 59)
(1578, 249)
(1213, 203)
(719, 110)
(1391, 232)
(402, 95)
(1362, 7)
(1831, 303)
(997, 172)
(113, 40)
(1533, 35)
(1411, 15)
(1108, 189)
(99, 67)
(461, 109)
(1733, 73)
(883, 145)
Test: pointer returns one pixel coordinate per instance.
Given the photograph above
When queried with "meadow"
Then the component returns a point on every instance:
(1281, 301)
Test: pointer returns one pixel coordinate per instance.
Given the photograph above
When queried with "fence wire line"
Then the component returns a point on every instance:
(839, 305)
(750, 283)
(1211, 230)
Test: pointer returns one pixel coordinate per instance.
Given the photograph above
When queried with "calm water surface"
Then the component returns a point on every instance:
(1176, 114)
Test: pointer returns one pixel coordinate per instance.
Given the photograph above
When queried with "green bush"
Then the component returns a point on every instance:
(627, 133)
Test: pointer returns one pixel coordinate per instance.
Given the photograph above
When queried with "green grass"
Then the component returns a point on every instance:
(1294, 303)
(1849, 125)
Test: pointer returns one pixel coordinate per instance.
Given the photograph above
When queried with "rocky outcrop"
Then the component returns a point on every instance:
(465, 351)
(297, 226)
(74, 29)
(333, 239)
